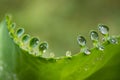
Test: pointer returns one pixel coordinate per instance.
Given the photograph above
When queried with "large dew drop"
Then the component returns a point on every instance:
(20, 32)
(25, 38)
(43, 47)
(81, 40)
(103, 29)
(94, 36)
(34, 42)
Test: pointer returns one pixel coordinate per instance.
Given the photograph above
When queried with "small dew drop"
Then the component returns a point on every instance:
(68, 53)
(113, 40)
(13, 25)
(20, 32)
(103, 29)
(52, 55)
(34, 42)
(25, 38)
(81, 40)
(101, 48)
(94, 36)
(43, 47)
(87, 51)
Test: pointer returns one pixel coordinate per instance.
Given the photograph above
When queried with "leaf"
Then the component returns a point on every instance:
(19, 64)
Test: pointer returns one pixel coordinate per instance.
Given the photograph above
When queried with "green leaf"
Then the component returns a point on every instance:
(17, 63)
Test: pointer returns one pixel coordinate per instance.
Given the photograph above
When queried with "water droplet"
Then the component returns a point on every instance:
(87, 52)
(13, 25)
(25, 38)
(34, 42)
(101, 48)
(103, 29)
(81, 40)
(113, 40)
(43, 47)
(94, 36)
(68, 53)
(20, 32)
(52, 55)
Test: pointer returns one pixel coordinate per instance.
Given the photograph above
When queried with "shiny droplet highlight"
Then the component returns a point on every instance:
(68, 53)
(101, 48)
(94, 36)
(43, 46)
(87, 51)
(81, 40)
(25, 38)
(113, 40)
(34, 42)
(103, 29)
(20, 32)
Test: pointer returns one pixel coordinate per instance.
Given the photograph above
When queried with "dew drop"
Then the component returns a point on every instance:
(13, 25)
(20, 32)
(52, 55)
(81, 40)
(113, 40)
(101, 48)
(87, 51)
(94, 36)
(34, 42)
(103, 29)
(43, 47)
(68, 53)
(25, 38)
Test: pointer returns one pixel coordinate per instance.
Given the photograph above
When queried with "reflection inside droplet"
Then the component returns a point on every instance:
(103, 29)
(68, 53)
(81, 40)
(113, 40)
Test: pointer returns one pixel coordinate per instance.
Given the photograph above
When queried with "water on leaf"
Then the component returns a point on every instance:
(13, 25)
(103, 29)
(101, 48)
(87, 51)
(20, 32)
(52, 55)
(94, 36)
(68, 53)
(113, 40)
(25, 38)
(81, 40)
(34, 42)
(43, 47)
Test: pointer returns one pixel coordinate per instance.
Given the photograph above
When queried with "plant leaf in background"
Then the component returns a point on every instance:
(16, 63)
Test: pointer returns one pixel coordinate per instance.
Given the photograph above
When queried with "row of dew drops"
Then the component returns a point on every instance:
(104, 30)
(34, 46)
(30, 44)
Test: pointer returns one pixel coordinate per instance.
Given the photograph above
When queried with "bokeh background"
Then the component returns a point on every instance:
(60, 21)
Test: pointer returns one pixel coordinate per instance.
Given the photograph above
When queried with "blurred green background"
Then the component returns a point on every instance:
(60, 21)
